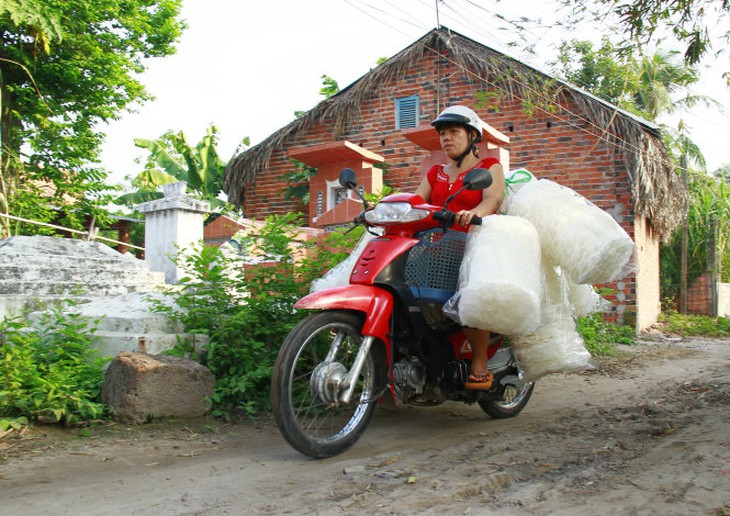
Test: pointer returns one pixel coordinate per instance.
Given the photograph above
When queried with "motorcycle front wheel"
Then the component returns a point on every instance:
(312, 419)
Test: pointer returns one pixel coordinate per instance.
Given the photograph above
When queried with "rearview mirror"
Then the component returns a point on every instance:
(478, 179)
(348, 178)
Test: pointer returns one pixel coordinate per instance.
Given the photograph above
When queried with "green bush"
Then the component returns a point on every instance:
(600, 337)
(49, 372)
(246, 312)
(695, 325)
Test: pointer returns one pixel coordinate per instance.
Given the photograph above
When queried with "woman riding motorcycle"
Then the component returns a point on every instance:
(460, 129)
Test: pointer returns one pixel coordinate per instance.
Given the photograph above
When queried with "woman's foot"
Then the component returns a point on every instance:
(479, 381)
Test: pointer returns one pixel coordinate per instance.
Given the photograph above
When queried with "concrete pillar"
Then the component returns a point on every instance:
(172, 223)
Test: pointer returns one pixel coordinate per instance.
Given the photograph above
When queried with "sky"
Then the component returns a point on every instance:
(246, 67)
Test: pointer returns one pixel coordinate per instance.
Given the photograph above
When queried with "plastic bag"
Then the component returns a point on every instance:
(556, 346)
(499, 279)
(575, 234)
(339, 275)
(584, 299)
(514, 181)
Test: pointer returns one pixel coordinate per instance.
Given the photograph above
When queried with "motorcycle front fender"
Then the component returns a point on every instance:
(374, 302)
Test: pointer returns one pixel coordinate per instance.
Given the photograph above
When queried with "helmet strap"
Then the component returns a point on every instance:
(462, 156)
(472, 148)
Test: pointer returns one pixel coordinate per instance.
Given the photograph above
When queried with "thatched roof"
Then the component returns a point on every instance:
(657, 192)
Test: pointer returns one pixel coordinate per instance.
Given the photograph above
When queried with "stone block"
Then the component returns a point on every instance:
(143, 387)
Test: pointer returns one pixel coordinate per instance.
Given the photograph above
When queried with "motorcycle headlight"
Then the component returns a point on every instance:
(394, 212)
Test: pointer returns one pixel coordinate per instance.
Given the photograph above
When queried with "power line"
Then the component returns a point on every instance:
(352, 3)
(597, 132)
(601, 131)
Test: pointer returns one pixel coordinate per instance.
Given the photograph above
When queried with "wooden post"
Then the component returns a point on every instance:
(683, 273)
(712, 268)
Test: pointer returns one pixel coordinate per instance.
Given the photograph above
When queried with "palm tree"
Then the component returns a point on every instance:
(657, 79)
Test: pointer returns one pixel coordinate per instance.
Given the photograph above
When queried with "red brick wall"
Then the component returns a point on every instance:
(555, 146)
(699, 298)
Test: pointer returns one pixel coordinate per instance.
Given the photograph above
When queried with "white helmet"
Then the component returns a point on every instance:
(460, 115)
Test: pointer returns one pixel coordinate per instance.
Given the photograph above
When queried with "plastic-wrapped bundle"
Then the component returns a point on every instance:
(584, 298)
(556, 346)
(339, 275)
(499, 279)
(514, 180)
(574, 233)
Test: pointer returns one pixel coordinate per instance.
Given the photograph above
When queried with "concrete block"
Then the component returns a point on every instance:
(143, 387)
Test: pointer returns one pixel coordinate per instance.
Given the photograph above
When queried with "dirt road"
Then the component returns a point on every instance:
(648, 433)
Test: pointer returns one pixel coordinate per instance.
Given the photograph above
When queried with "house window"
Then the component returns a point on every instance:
(406, 112)
(320, 203)
(340, 195)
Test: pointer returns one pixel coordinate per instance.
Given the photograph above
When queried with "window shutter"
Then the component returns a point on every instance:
(406, 112)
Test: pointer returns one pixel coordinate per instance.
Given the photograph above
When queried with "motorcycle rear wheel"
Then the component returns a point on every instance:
(312, 425)
(515, 398)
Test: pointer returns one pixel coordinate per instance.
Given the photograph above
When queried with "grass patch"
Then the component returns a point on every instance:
(694, 325)
(601, 337)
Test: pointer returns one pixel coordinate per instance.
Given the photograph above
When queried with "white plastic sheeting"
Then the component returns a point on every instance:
(556, 345)
(499, 279)
(585, 241)
(339, 275)
(584, 299)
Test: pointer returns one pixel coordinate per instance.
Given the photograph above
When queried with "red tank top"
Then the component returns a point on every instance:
(441, 188)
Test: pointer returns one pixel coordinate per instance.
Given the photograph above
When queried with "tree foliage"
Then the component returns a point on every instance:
(695, 24)
(65, 68)
(329, 87)
(649, 85)
(247, 311)
(173, 159)
(708, 220)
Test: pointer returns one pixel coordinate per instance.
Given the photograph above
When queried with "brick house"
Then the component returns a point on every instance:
(380, 127)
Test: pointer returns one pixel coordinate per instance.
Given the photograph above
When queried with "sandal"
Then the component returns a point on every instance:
(479, 381)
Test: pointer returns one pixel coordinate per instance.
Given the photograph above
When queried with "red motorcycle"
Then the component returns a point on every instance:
(385, 334)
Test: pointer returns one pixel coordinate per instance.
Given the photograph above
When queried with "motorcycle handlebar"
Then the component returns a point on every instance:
(449, 218)
(444, 216)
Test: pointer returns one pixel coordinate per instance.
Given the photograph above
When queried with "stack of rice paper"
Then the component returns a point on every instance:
(579, 245)
(555, 346)
(585, 241)
(499, 279)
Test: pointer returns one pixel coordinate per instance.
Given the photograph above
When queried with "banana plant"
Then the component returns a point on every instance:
(172, 159)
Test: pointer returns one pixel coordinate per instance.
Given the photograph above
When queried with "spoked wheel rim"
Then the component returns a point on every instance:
(513, 395)
(306, 397)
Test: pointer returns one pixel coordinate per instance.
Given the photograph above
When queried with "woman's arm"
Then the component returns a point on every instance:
(492, 196)
(424, 189)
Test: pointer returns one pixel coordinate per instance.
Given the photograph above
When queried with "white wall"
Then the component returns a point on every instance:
(648, 302)
(723, 299)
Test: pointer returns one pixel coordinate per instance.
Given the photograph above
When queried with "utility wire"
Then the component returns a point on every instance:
(366, 13)
(601, 132)
(597, 132)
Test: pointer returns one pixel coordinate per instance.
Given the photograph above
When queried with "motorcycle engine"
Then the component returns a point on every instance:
(455, 374)
(409, 374)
